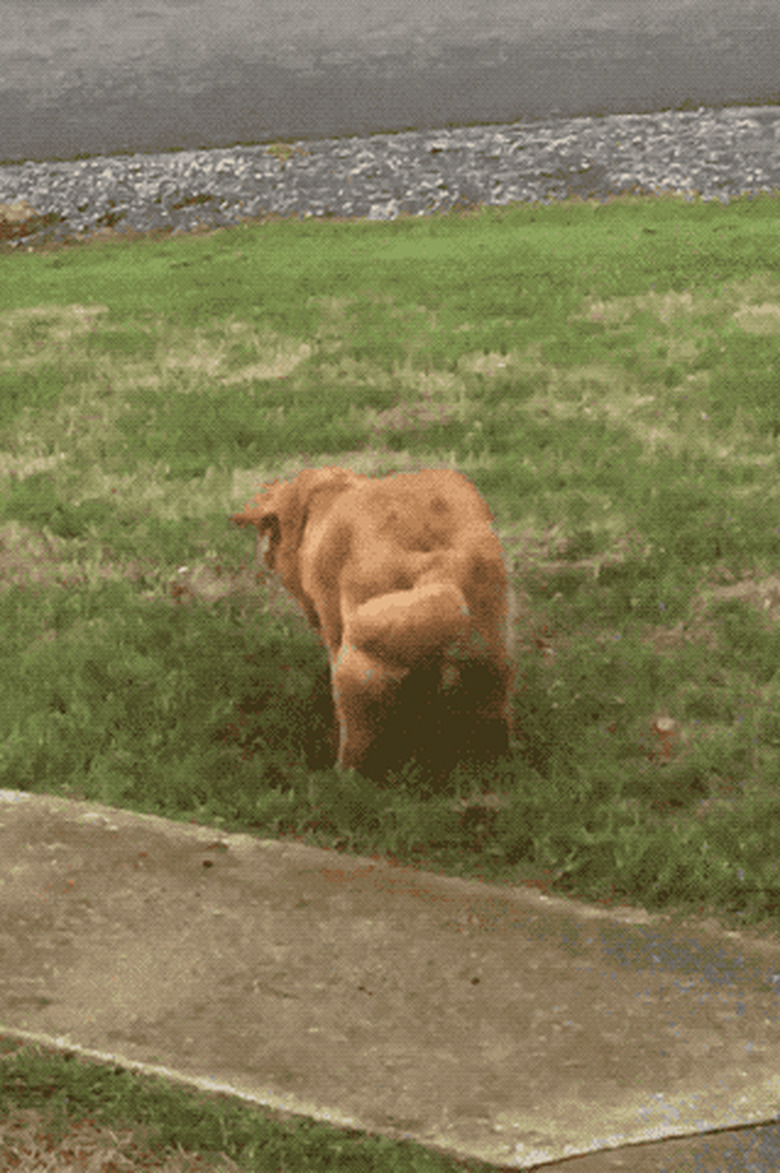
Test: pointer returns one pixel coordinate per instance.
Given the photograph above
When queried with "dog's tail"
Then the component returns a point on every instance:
(405, 627)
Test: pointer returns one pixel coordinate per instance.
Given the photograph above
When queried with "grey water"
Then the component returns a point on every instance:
(81, 77)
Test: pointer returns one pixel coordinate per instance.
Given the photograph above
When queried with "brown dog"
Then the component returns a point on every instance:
(403, 577)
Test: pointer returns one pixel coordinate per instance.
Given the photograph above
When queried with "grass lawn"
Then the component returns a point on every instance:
(607, 374)
(59, 1113)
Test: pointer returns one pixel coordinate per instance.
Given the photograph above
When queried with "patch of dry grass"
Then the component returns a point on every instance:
(29, 1143)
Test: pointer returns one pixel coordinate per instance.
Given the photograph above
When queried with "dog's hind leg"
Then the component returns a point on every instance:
(362, 689)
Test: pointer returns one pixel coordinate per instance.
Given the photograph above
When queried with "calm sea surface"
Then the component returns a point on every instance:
(111, 76)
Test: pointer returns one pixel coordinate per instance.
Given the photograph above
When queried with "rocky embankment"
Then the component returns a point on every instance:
(717, 153)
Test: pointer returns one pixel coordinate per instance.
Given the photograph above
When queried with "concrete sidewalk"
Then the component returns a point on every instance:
(485, 1021)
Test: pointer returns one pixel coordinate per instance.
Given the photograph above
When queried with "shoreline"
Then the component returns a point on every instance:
(711, 152)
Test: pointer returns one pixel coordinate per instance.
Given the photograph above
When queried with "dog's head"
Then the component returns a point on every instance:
(281, 511)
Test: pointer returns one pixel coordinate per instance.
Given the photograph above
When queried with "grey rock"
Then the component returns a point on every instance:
(717, 153)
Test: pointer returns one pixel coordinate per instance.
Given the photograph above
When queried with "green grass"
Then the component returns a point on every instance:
(64, 1090)
(608, 375)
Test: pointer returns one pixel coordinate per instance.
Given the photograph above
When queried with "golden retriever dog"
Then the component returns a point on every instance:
(403, 578)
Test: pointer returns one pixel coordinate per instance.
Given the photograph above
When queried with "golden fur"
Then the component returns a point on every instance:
(403, 577)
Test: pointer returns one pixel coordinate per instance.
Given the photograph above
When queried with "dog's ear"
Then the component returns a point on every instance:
(267, 513)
